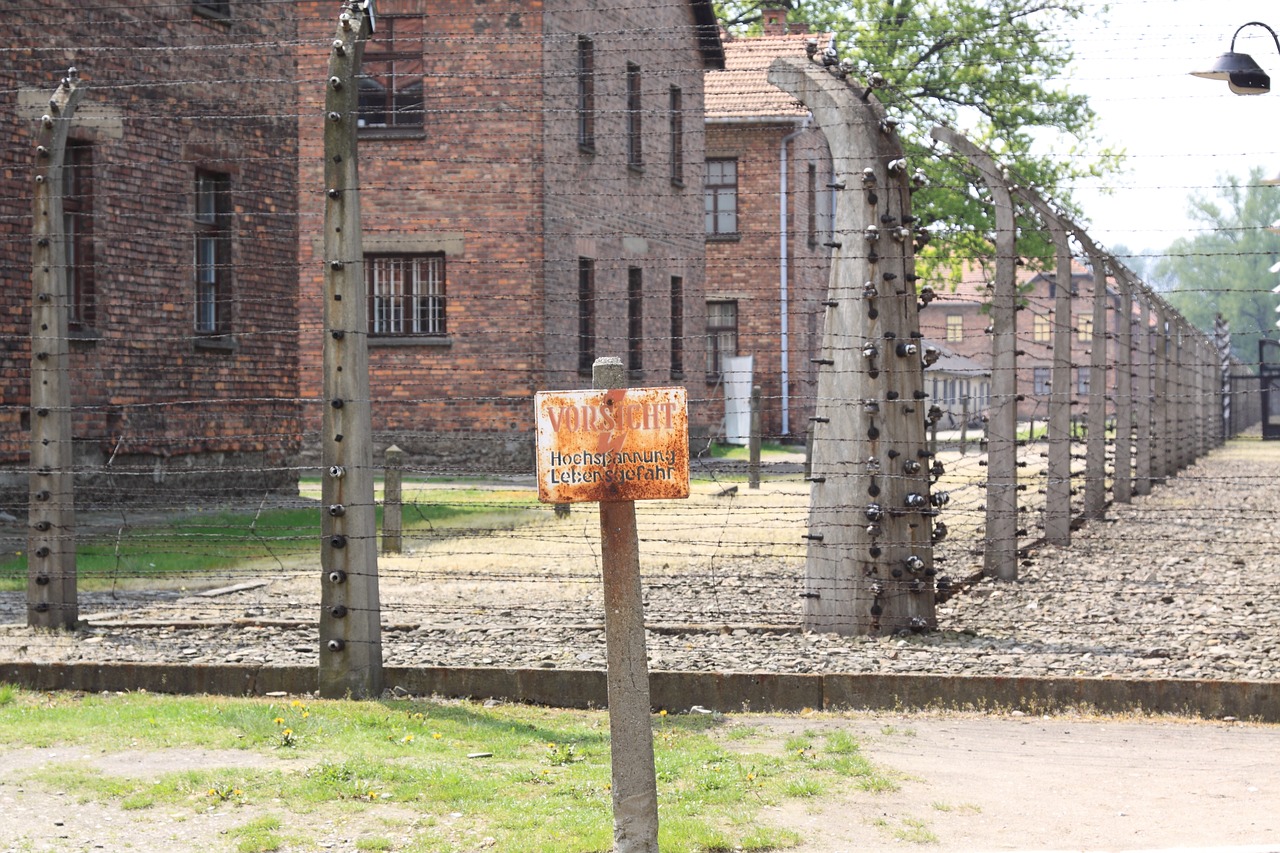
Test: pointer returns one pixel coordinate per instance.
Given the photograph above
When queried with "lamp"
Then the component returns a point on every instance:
(1243, 75)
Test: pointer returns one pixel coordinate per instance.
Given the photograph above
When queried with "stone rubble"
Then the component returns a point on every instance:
(1180, 584)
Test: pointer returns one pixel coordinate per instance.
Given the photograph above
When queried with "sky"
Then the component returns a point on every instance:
(1181, 134)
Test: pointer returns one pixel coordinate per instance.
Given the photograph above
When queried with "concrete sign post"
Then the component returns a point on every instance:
(617, 445)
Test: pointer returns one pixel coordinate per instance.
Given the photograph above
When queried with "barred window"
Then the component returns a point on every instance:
(406, 294)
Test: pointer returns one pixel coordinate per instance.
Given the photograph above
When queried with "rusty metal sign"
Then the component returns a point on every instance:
(625, 444)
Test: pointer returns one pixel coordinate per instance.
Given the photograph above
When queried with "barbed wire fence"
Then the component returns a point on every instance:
(203, 522)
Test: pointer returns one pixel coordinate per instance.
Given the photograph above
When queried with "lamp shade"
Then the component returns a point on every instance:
(1228, 64)
(1249, 82)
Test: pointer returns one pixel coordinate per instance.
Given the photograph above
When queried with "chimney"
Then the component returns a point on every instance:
(775, 20)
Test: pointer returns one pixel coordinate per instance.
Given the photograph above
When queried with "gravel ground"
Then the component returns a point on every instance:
(1180, 584)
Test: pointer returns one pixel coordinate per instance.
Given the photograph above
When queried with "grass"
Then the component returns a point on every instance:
(910, 830)
(767, 449)
(533, 779)
(207, 543)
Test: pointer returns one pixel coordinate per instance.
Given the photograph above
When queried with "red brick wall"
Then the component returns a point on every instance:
(146, 396)
(497, 179)
(749, 269)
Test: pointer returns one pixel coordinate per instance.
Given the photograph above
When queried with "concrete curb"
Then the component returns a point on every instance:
(678, 691)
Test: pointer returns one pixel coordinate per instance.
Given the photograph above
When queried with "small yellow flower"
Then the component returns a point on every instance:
(279, 721)
(408, 739)
(287, 732)
(662, 713)
(436, 735)
(306, 714)
(295, 704)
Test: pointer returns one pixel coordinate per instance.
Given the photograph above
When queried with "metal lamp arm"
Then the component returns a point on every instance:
(1274, 37)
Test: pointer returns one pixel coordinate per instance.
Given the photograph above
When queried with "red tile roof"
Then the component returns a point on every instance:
(742, 90)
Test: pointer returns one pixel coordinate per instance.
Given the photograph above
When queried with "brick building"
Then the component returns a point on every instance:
(531, 193)
(180, 196)
(768, 218)
(957, 320)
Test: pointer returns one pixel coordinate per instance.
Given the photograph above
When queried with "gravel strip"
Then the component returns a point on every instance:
(1180, 584)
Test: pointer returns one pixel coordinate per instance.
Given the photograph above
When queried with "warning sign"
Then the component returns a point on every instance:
(625, 444)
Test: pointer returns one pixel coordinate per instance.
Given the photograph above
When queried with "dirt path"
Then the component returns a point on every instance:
(1028, 783)
(967, 783)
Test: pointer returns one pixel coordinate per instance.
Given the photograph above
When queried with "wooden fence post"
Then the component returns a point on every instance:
(392, 506)
(753, 441)
(634, 780)
(350, 617)
(52, 600)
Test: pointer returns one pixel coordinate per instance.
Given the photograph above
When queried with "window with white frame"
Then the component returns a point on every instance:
(955, 328)
(1041, 380)
(722, 197)
(722, 335)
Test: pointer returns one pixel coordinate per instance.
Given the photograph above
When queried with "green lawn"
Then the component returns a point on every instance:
(214, 542)
(535, 780)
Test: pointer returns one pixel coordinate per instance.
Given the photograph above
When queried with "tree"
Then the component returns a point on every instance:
(1225, 268)
(984, 66)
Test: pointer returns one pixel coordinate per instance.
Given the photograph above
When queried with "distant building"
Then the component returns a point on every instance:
(959, 386)
(958, 320)
(768, 218)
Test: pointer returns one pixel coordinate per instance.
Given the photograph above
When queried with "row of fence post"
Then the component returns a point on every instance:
(1166, 397)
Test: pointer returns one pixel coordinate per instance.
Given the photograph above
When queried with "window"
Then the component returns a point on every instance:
(77, 218)
(722, 335)
(212, 8)
(1040, 376)
(586, 93)
(391, 89)
(213, 253)
(635, 319)
(1041, 329)
(406, 294)
(1084, 328)
(955, 328)
(677, 136)
(586, 314)
(635, 150)
(677, 327)
(811, 200)
(1082, 381)
(722, 197)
